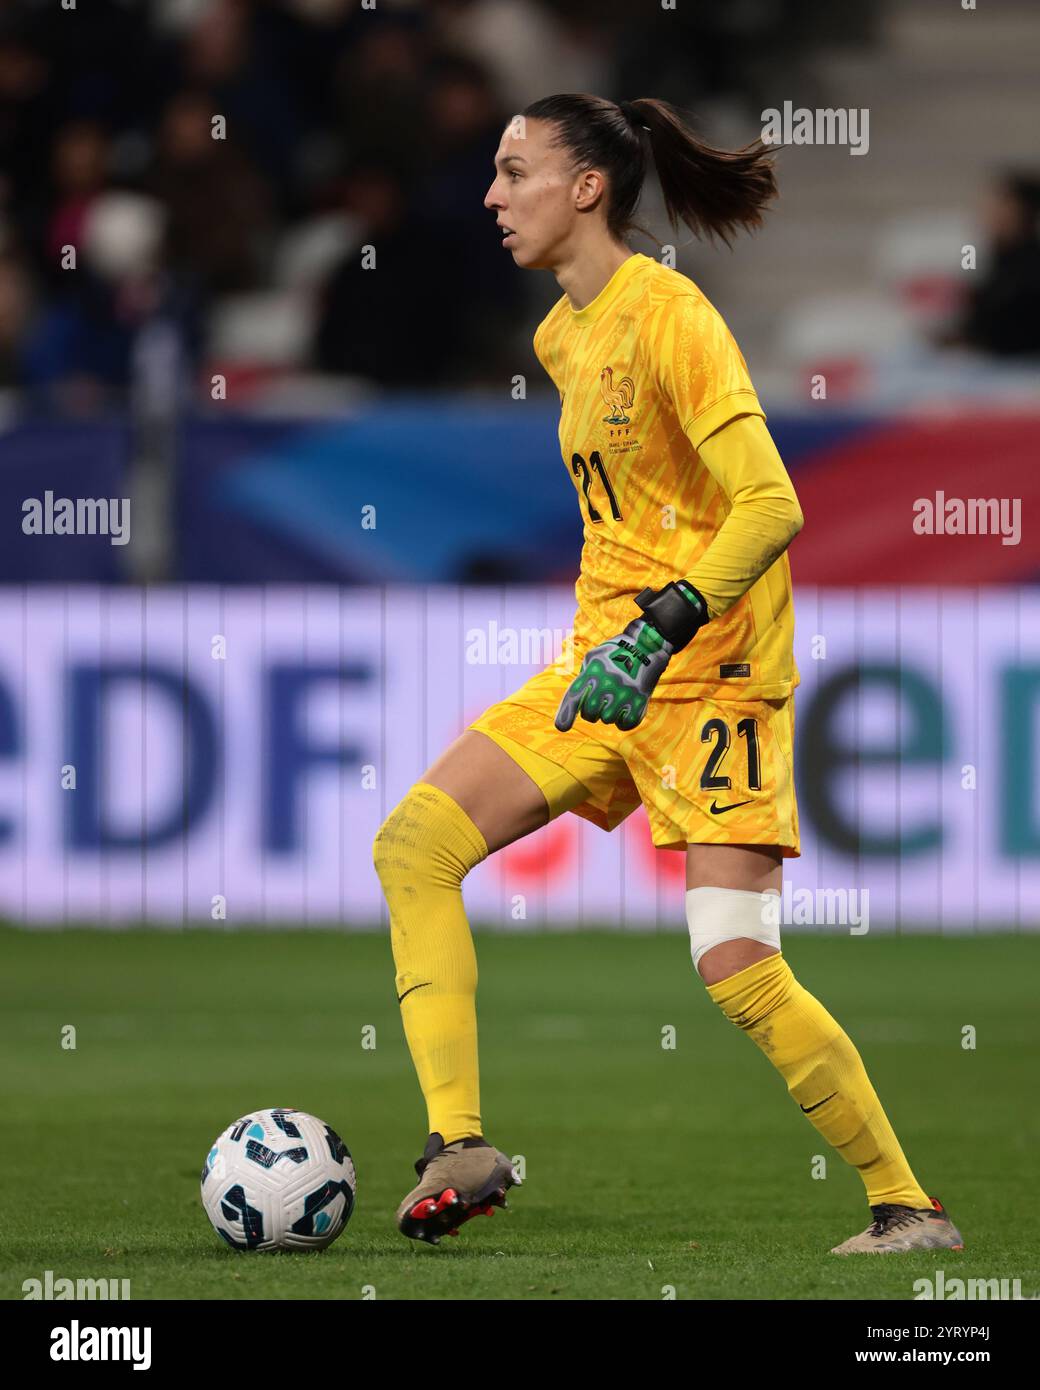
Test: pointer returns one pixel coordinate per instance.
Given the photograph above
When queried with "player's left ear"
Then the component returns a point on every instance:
(589, 190)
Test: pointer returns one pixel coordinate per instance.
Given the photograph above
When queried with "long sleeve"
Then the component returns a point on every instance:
(765, 515)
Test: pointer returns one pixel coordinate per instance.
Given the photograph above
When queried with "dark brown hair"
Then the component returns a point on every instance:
(715, 192)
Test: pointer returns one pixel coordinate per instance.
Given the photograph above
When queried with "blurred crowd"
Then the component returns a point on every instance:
(217, 167)
(339, 125)
(1002, 315)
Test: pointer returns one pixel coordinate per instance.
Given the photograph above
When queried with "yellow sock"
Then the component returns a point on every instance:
(424, 849)
(824, 1074)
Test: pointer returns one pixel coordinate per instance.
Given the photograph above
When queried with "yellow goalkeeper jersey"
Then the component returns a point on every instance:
(646, 372)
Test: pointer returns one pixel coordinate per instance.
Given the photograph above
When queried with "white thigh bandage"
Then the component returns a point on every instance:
(722, 914)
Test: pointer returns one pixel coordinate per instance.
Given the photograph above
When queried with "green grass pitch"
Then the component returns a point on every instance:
(647, 1168)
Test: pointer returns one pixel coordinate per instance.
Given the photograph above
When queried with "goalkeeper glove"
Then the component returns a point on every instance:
(618, 677)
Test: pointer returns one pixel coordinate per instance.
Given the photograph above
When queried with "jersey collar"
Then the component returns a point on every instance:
(610, 291)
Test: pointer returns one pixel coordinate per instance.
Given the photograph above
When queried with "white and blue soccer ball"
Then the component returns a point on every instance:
(279, 1180)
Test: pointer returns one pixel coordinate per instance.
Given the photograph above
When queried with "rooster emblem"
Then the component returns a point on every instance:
(618, 397)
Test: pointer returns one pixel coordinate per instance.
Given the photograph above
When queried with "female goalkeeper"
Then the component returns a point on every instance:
(684, 631)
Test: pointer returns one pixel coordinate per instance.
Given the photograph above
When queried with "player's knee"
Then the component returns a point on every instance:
(717, 916)
(427, 837)
(403, 841)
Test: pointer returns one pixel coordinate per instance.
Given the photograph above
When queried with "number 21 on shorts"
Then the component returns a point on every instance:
(717, 732)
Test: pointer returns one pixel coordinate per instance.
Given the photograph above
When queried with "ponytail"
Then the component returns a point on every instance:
(714, 192)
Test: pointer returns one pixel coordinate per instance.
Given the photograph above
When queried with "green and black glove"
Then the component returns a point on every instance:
(618, 677)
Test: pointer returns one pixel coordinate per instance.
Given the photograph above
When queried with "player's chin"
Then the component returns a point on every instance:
(530, 258)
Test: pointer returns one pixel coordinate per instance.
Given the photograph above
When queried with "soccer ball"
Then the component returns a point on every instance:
(279, 1180)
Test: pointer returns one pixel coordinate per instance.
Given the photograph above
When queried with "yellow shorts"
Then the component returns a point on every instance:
(709, 772)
